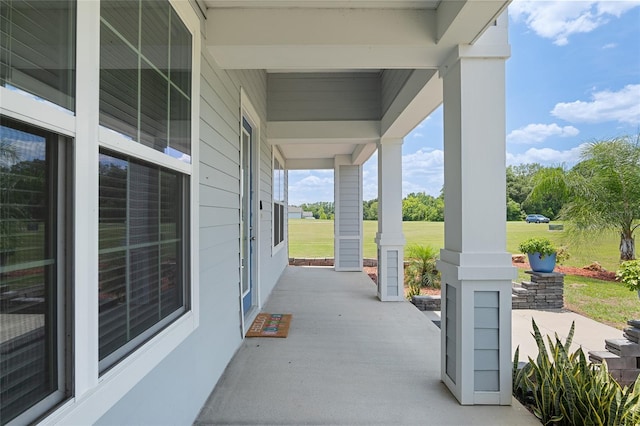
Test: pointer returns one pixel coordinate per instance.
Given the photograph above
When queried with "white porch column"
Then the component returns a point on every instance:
(389, 238)
(348, 214)
(476, 269)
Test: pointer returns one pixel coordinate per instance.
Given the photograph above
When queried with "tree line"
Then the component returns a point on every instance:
(600, 193)
(420, 206)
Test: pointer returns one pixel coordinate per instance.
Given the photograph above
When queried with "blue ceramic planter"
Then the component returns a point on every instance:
(546, 264)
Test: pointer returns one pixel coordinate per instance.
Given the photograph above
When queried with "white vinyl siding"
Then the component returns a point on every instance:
(486, 344)
(302, 97)
(348, 225)
(392, 273)
(451, 333)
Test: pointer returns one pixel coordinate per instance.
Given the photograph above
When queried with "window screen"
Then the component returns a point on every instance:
(31, 270)
(142, 250)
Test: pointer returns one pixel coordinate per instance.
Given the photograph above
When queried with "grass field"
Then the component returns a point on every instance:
(603, 301)
(314, 238)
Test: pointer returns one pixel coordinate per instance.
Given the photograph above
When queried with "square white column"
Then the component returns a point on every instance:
(348, 230)
(476, 269)
(389, 238)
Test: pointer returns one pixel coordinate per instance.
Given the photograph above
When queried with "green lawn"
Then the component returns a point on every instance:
(314, 238)
(607, 302)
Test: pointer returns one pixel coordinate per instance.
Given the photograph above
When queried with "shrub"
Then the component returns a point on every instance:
(629, 274)
(537, 245)
(421, 271)
(562, 388)
(562, 255)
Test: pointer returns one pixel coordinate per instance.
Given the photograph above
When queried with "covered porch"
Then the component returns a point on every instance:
(348, 359)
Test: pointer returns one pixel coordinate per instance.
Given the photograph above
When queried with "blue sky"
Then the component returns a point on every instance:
(573, 77)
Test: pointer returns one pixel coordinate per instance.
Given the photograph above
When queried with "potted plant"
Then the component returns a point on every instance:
(541, 253)
(629, 275)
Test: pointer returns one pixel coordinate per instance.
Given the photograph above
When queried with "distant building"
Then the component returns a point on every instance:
(296, 212)
(307, 215)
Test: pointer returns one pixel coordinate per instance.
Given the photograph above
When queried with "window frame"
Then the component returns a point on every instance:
(92, 394)
(131, 345)
(111, 140)
(63, 245)
(277, 156)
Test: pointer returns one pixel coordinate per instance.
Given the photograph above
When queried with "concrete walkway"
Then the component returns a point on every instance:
(589, 334)
(349, 359)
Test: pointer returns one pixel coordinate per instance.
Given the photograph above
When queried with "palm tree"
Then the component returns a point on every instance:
(602, 191)
(421, 271)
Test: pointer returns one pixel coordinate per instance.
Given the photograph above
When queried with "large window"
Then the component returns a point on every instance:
(32, 273)
(145, 97)
(279, 213)
(37, 49)
(145, 75)
(142, 252)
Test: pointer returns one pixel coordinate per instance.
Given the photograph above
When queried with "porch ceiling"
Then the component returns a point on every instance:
(342, 74)
(356, 34)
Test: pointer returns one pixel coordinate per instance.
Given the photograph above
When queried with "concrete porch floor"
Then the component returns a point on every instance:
(348, 359)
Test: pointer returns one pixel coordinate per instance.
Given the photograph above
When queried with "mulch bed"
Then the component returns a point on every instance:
(603, 275)
(582, 272)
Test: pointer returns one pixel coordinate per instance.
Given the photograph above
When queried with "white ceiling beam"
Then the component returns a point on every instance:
(362, 153)
(419, 97)
(334, 27)
(326, 132)
(463, 21)
(294, 58)
(310, 164)
(300, 38)
(316, 4)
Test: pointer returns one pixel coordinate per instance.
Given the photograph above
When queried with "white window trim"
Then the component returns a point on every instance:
(62, 287)
(30, 110)
(94, 394)
(276, 154)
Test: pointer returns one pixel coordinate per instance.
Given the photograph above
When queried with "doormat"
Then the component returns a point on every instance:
(270, 325)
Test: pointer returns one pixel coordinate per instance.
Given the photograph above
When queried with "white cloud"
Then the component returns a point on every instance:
(622, 106)
(536, 133)
(309, 187)
(547, 156)
(610, 46)
(423, 171)
(558, 20)
(370, 178)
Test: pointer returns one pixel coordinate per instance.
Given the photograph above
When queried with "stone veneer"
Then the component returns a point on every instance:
(544, 291)
(621, 355)
(325, 261)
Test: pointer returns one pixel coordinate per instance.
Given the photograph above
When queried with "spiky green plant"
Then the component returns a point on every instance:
(421, 271)
(562, 388)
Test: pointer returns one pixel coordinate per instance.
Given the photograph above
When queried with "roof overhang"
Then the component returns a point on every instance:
(350, 36)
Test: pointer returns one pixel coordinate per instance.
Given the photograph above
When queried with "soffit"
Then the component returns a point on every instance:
(343, 37)
(319, 4)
